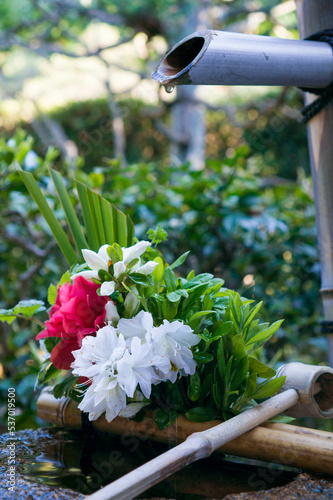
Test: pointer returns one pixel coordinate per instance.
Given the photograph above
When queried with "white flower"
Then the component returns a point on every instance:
(118, 269)
(95, 261)
(111, 313)
(173, 340)
(99, 354)
(101, 260)
(139, 326)
(131, 253)
(136, 368)
(108, 398)
(97, 359)
(147, 268)
(134, 251)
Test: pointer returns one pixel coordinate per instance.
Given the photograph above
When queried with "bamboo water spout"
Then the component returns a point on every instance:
(308, 383)
(224, 58)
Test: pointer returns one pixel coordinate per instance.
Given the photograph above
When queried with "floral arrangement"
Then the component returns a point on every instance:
(126, 331)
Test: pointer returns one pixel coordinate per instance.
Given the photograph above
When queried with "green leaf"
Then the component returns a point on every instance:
(260, 368)
(223, 329)
(28, 308)
(7, 315)
(239, 371)
(169, 309)
(163, 418)
(194, 388)
(115, 253)
(50, 343)
(159, 269)
(236, 308)
(89, 221)
(179, 261)
(170, 279)
(202, 414)
(269, 388)
(51, 294)
(220, 359)
(157, 235)
(265, 334)
(95, 207)
(65, 278)
(74, 225)
(251, 384)
(203, 357)
(139, 279)
(64, 387)
(47, 374)
(120, 227)
(199, 315)
(57, 231)
(107, 221)
(173, 296)
(252, 314)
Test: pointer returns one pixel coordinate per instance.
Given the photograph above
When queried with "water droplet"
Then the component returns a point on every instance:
(169, 88)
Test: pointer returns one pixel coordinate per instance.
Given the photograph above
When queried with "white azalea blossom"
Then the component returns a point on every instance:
(173, 340)
(134, 355)
(102, 260)
(137, 367)
(95, 261)
(140, 326)
(135, 251)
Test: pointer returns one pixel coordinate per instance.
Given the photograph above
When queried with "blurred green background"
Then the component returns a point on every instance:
(224, 170)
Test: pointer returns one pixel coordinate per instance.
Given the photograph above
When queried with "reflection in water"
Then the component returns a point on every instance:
(85, 463)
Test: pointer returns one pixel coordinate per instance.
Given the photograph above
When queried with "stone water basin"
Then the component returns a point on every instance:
(53, 463)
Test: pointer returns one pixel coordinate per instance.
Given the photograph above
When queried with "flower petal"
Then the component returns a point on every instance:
(107, 288)
(131, 410)
(147, 268)
(94, 261)
(135, 251)
(119, 268)
(88, 275)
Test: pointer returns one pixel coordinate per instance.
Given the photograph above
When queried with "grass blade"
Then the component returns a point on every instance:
(74, 225)
(88, 217)
(119, 226)
(107, 221)
(95, 207)
(57, 231)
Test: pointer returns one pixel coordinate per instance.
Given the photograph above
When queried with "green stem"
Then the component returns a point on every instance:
(30, 318)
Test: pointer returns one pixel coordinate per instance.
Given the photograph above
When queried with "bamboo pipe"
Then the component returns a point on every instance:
(224, 58)
(309, 382)
(284, 444)
(313, 16)
(198, 445)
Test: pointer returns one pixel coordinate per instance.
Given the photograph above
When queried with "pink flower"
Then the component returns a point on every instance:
(78, 311)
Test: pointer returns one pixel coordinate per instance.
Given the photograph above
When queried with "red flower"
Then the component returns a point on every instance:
(78, 311)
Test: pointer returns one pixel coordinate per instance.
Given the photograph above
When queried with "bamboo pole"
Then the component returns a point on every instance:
(198, 445)
(284, 444)
(313, 16)
(224, 58)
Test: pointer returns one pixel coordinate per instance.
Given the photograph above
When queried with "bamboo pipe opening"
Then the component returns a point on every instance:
(181, 57)
(324, 398)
